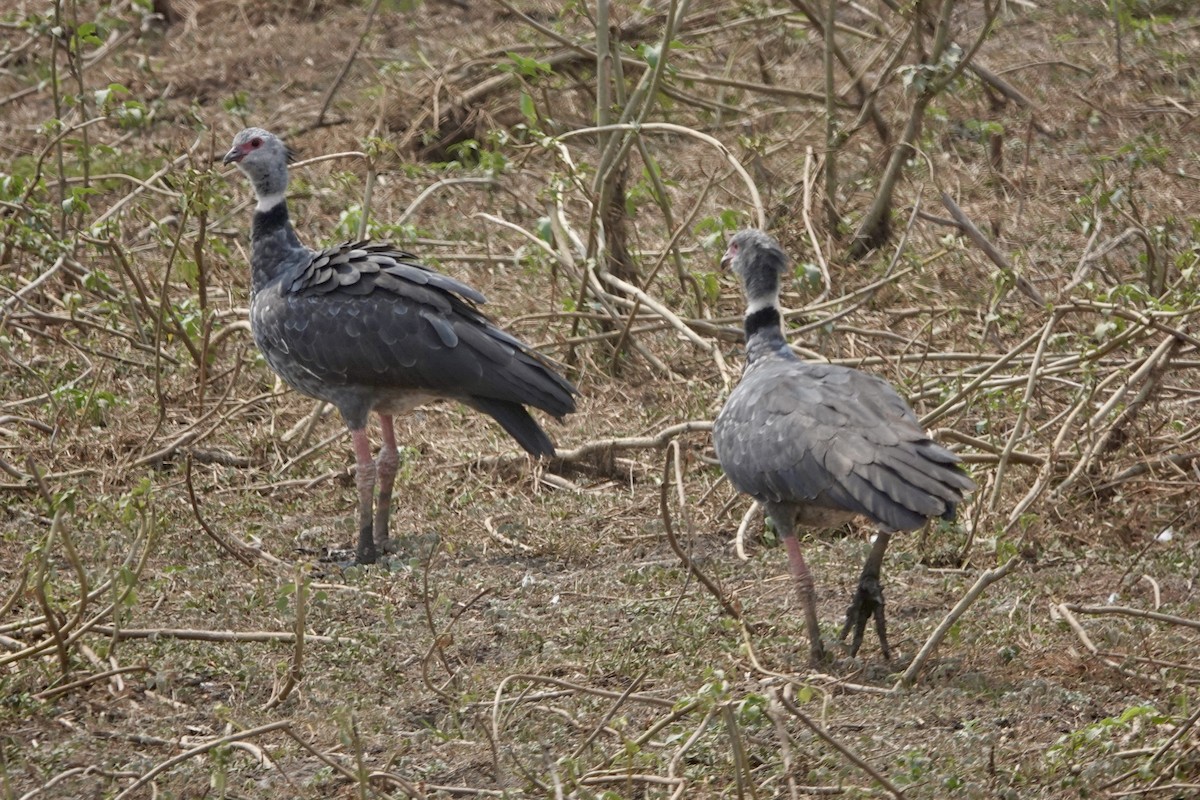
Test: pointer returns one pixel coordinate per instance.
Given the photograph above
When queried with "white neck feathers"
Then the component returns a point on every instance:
(268, 201)
(763, 301)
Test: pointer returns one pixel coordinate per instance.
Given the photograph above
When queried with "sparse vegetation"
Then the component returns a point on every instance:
(1026, 271)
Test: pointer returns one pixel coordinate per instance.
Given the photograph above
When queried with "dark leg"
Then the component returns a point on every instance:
(808, 595)
(365, 480)
(868, 600)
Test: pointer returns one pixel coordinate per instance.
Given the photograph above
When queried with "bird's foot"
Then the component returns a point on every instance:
(418, 546)
(367, 553)
(335, 560)
(818, 656)
(866, 604)
(391, 553)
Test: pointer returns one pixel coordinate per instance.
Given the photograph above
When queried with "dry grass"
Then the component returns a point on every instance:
(544, 640)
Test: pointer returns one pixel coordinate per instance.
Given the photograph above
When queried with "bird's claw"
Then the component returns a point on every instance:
(413, 546)
(366, 552)
(818, 656)
(867, 603)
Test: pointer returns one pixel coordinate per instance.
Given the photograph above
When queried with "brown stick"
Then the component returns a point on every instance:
(1086, 641)
(196, 751)
(1134, 612)
(975, 235)
(847, 753)
(296, 667)
(985, 580)
(672, 459)
(287, 637)
(237, 551)
(50, 694)
(341, 76)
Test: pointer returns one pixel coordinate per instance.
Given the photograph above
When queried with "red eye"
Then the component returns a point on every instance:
(256, 142)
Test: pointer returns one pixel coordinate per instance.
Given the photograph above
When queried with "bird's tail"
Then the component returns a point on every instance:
(516, 420)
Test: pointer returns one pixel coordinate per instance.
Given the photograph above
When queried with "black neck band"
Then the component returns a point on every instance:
(764, 320)
(269, 221)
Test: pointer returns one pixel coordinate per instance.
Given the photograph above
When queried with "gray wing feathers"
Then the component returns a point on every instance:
(522, 375)
(516, 421)
(817, 434)
(360, 267)
(359, 315)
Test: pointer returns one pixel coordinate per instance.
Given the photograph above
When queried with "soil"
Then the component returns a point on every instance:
(173, 516)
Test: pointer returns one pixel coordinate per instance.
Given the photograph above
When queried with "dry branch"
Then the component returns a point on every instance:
(474, 86)
(200, 750)
(759, 217)
(1148, 374)
(874, 227)
(1061, 610)
(191, 634)
(975, 235)
(296, 664)
(58, 691)
(238, 551)
(341, 76)
(1134, 612)
(985, 580)
(674, 322)
(1018, 428)
(608, 715)
(1178, 461)
(671, 465)
(854, 758)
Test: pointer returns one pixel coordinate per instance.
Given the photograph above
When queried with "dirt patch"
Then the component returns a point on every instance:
(537, 636)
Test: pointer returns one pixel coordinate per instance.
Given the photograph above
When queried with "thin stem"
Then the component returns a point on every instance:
(831, 124)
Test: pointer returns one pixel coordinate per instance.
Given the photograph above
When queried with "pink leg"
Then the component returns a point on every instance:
(365, 480)
(808, 598)
(386, 466)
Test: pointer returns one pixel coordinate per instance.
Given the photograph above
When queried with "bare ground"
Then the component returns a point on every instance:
(539, 637)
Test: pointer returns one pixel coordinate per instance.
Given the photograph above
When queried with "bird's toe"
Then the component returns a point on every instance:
(866, 604)
(818, 656)
(418, 546)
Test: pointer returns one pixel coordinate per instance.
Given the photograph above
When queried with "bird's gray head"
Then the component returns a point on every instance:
(756, 258)
(263, 157)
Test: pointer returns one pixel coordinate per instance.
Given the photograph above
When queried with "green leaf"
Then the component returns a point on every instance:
(189, 271)
(528, 67)
(528, 109)
(86, 33)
